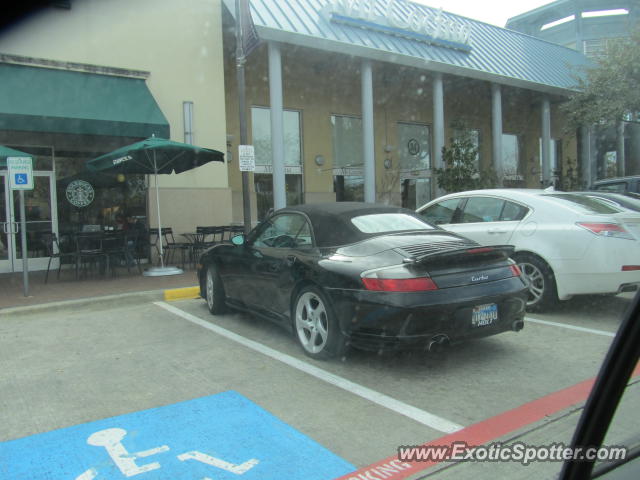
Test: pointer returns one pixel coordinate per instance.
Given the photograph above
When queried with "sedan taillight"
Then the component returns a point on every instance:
(515, 270)
(420, 284)
(606, 230)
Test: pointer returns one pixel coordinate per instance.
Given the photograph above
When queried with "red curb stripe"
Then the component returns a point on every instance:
(482, 432)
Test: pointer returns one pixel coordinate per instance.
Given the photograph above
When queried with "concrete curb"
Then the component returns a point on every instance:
(186, 293)
(121, 299)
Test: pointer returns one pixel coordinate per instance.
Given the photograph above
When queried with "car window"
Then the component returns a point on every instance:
(584, 204)
(388, 222)
(619, 187)
(284, 231)
(482, 209)
(441, 212)
(513, 211)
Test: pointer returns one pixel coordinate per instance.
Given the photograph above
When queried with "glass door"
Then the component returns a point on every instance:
(7, 227)
(40, 210)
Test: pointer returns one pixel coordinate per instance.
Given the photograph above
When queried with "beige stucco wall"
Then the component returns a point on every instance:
(179, 43)
(320, 84)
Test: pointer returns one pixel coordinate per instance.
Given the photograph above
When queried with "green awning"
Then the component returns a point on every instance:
(61, 101)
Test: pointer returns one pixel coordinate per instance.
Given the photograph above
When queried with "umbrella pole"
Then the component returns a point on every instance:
(158, 211)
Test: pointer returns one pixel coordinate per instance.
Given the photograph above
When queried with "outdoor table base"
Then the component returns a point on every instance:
(162, 271)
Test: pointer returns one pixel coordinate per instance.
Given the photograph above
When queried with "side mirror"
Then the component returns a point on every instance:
(238, 240)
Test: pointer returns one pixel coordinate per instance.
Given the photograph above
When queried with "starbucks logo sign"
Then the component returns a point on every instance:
(80, 193)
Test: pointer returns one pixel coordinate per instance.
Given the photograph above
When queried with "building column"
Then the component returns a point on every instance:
(620, 153)
(587, 166)
(546, 142)
(366, 77)
(496, 130)
(277, 126)
(438, 128)
(579, 29)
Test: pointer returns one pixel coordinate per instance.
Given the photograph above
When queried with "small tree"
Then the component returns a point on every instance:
(460, 170)
(608, 89)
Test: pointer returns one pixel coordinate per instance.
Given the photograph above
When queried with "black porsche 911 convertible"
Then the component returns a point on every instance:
(366, 275)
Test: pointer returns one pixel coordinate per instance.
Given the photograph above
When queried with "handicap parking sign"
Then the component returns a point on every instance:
(20, 173)
(221, 437)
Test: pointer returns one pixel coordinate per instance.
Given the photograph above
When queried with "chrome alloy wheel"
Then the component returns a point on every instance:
(312, 324)
(536, 282)
(210, 289)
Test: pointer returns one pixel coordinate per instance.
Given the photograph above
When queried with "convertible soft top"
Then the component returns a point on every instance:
(332, 224)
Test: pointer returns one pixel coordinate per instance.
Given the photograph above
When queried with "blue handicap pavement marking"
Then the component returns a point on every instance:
(219, 437)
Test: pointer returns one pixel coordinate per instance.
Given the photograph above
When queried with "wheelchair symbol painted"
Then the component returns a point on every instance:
(21, 179)
(128, 463)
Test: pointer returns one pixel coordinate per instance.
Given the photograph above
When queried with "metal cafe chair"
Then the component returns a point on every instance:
(53, 250)
(90, 252)
(120, 247)
(171, 246)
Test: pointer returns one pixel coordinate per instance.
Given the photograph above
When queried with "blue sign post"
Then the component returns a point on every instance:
(221, 437)
(21, 179)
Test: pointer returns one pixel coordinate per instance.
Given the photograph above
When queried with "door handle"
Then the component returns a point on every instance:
(496, 230)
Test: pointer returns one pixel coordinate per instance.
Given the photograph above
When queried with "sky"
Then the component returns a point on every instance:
(495, 12)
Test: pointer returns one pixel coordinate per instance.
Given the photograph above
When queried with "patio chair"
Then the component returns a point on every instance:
(90, 252)
(171, 246)
(53, 250)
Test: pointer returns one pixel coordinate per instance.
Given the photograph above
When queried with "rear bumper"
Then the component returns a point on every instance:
(375, 320)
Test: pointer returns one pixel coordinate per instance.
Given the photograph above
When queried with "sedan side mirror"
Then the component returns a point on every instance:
(238, 240)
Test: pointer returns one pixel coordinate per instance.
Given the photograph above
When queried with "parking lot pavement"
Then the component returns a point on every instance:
(70, 366)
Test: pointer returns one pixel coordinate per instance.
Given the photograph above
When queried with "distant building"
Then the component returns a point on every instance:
(584, 25)
(590, 26)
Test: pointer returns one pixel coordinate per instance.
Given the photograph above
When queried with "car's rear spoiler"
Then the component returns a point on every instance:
(463, 255)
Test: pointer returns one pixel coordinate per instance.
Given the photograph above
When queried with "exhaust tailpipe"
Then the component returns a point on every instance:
(439, 343)
(517, 325)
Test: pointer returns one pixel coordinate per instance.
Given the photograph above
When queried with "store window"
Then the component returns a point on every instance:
(511, 160)
(263, 177)
(556, 152)
(414, 156)
(348, 174)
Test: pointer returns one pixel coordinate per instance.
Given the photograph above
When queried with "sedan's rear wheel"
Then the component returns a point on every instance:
(315, 324)
(543, 293)
(214, 291)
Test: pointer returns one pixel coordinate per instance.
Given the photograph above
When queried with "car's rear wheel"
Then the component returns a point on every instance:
(214, 291)
(315, 325)
(543, 293)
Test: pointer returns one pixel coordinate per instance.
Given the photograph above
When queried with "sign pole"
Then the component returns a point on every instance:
(240, 61)
(21, 178)
(23, 240)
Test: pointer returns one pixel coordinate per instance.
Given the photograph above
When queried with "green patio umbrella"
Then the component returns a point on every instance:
(155, 156)
(10, 152)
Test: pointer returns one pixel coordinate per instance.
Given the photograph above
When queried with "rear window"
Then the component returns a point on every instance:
(389, 222)
(586, 205)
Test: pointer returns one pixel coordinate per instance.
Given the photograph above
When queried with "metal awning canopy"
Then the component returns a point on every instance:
(38, 99)
(495, 54)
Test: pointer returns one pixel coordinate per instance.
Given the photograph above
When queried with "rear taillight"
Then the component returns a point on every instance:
(606, 230)
(630, 268)
(420, 284)
(515, 270)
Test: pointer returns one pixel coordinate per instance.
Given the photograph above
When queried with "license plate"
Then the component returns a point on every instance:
(484, 315)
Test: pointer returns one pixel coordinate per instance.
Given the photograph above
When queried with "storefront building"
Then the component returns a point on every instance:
(345, 101)
(367, 93)
(80, 81)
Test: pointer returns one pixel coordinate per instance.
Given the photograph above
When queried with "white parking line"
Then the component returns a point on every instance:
(416, 414)
(570, 327)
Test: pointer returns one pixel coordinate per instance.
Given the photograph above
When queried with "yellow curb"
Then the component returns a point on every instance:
(181, 293)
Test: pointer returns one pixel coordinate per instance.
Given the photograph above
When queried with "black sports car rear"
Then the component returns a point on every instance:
(366, 275)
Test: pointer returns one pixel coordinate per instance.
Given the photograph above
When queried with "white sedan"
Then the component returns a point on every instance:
(566, 244)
